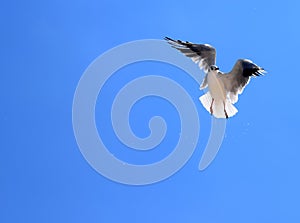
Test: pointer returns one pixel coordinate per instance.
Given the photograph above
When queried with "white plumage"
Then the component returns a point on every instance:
(223, 88)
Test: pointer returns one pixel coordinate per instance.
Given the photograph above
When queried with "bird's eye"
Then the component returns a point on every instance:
(213, 67)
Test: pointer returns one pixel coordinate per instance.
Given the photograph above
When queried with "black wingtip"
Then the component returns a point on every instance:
(263, 70)
(168, 39)
(173, 41)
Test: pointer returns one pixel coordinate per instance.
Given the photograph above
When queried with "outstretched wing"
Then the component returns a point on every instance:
(202, 54)
(237, 79)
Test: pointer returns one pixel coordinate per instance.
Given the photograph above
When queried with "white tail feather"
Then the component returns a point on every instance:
(218, 106)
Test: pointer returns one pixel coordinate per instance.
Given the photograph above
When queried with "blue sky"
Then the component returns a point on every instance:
(47, 45)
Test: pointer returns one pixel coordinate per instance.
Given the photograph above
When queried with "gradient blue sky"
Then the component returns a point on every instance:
(47, 45)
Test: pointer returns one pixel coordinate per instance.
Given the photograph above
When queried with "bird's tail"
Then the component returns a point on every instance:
(218, 106)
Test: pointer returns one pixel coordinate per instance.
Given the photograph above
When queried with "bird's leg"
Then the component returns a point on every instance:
(211, 106)
(226, 115)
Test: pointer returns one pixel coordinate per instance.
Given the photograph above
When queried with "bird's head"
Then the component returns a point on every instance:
(214, 67)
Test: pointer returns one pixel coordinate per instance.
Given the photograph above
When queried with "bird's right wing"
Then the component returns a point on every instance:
(202, 54)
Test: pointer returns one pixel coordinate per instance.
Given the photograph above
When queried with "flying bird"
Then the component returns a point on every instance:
(223, 88)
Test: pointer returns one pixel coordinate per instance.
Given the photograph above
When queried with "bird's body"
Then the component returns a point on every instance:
(216, 86)
(216, 100)
(217, 93)
(223, 88)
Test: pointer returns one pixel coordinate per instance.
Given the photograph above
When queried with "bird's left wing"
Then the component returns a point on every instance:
(237, 79)
(202, 54)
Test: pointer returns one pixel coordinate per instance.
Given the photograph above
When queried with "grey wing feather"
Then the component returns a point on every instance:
(202, 54)
(237, 79)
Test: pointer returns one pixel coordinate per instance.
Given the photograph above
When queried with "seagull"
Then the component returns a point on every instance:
(223, 88)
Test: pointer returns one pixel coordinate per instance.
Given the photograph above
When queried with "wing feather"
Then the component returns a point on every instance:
(202, 54)
(238, 78)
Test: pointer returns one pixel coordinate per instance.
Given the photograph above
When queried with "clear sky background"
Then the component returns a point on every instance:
(47, 45)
